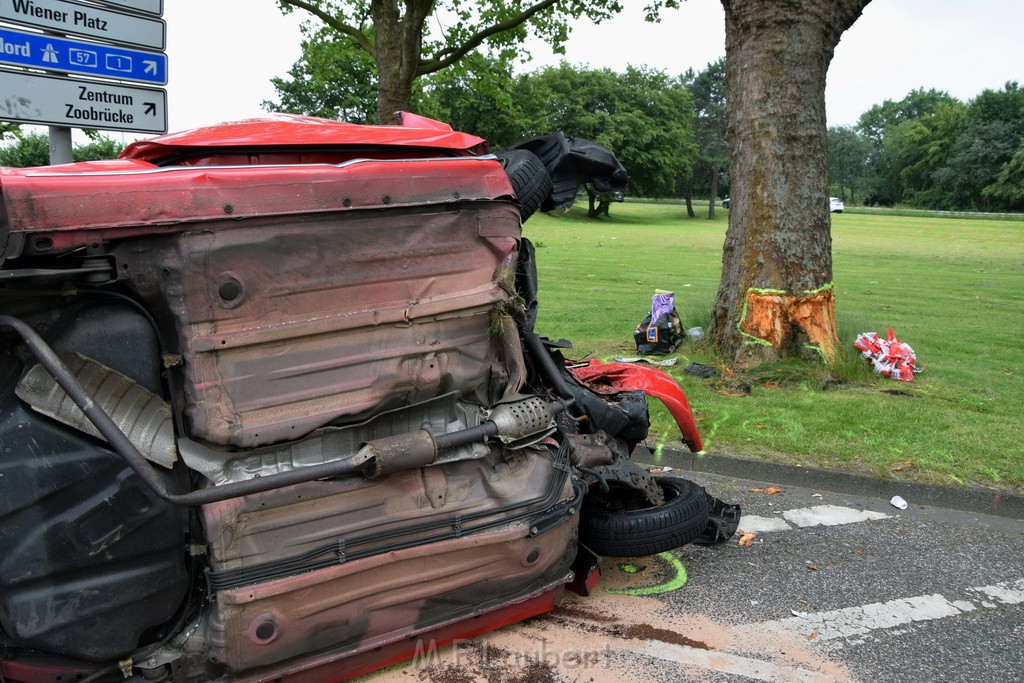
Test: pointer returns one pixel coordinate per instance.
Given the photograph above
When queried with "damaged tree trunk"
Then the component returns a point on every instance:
(775, 297)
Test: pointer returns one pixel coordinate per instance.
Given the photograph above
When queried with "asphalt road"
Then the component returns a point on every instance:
(832, 587)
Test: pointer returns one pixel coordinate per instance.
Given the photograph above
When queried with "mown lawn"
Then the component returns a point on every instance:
(953, 289)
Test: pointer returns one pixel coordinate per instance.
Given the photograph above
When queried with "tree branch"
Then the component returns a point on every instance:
(357, 36)
(474, 41)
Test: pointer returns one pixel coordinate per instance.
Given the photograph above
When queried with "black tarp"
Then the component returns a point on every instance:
(573, 162)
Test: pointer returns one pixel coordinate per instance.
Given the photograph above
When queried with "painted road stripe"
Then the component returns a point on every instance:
(856, 621)
(819, 515)
(830, 515)
(723, 662)
(755, 524)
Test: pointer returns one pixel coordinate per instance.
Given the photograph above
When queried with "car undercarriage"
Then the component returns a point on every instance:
(272, 407)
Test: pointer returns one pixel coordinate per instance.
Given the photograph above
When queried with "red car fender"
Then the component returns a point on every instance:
(653, 382)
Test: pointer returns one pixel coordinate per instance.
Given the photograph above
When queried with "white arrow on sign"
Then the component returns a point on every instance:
(28, 97)
(150, 66)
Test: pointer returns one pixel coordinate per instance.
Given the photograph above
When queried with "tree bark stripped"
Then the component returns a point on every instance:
(775, 297)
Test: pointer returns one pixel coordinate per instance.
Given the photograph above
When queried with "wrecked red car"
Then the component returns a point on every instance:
(272, 408)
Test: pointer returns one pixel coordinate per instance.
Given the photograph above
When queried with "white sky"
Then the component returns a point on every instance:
(223, 53)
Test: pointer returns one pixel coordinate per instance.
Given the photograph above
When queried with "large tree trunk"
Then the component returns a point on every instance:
(397, 47)
(775, 297)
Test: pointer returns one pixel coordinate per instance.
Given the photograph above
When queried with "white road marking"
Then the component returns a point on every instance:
(829, 515)
(723, 662)
(1008, 593)
(856, 621)
(819, 515)
(754, 524)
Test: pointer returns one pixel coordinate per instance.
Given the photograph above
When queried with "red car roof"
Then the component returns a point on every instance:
(293, 131)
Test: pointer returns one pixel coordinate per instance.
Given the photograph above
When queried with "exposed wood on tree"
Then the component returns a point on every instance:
(769, 318)
(775, 296)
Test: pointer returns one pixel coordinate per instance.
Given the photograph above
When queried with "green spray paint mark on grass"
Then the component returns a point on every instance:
(677, 581)
(659, 451)
(711, 432)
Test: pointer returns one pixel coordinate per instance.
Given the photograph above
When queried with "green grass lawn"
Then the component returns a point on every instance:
(952, 289)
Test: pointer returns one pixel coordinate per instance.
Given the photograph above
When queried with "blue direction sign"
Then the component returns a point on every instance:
(38, 51)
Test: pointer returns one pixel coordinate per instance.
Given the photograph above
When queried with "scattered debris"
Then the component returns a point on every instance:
(812, 567)
(738, 389)
(660, 470)
(771, 490)
(747, 540)
(815, 495)
(700, 370)
(802, 615)
(638, 359)
(890, 357)
(695, 334)
(898, 502)
(661, 331)
(902, 465)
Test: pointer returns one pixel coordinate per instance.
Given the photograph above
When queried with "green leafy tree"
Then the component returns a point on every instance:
(1008, 187)
(978, 155)
(709, 105)
(918, 103)
(28, 150)
(849, 156)
(945, 158)
(912, 151)
(33, 149)
(332, 80)
(98, 149)
(1005, 106)
(475, 96)
(881, 125)
(410, 39)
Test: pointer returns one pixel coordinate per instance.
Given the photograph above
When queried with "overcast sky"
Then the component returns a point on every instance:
(223, 53)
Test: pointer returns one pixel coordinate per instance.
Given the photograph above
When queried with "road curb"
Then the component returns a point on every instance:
(979, 500)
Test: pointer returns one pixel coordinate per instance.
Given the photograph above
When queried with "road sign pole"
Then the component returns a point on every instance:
(60, 145)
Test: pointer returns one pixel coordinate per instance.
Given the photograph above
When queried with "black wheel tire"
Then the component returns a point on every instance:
(530, 180)
(648, 531)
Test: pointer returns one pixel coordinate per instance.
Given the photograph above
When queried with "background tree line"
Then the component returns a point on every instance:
(932, 151)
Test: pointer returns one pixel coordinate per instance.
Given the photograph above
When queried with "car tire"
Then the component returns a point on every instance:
(530, 180)
(681, 519)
